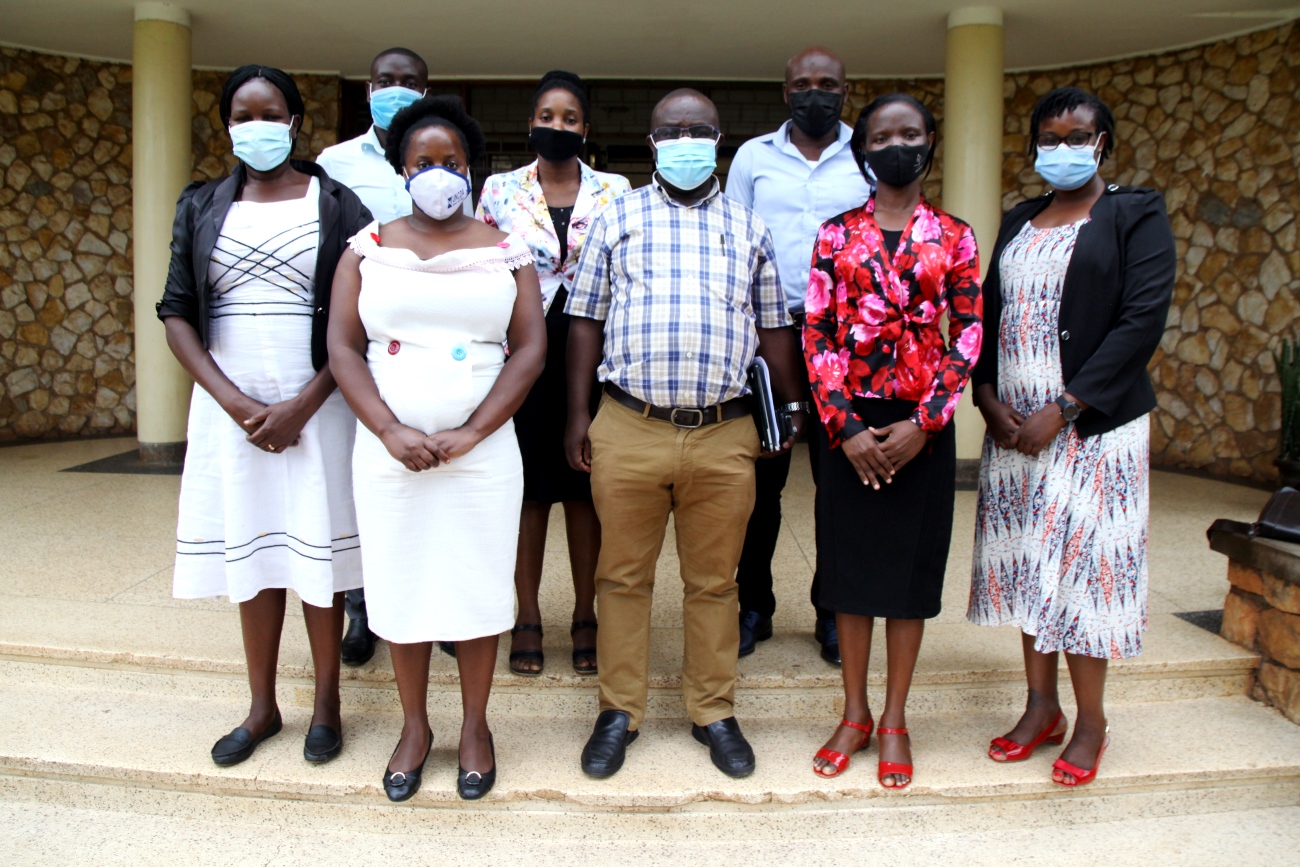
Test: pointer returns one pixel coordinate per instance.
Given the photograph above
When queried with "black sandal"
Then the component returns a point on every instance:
(517, 655)
(580, 652)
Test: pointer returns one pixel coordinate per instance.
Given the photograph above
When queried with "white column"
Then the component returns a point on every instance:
(160, 116)
(972, 160)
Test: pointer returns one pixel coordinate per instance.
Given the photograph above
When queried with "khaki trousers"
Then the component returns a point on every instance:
(642, 469)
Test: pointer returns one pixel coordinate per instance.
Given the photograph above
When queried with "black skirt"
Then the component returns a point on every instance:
(540, 422)
(883, 553)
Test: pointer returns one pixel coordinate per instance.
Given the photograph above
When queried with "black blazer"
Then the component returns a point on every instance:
(1114, 304)
(200, 214)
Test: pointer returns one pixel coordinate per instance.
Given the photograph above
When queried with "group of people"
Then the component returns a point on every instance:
(392, 390)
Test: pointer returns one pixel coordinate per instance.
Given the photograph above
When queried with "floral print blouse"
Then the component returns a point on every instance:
(872, 326)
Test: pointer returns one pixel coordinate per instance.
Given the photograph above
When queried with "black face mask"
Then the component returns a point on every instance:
(555, 145)
(815, 112)
(898, 165)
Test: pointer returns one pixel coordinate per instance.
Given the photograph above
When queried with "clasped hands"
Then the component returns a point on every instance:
(1011, 430)
(272, 427)
(879, 453)
(419, 451)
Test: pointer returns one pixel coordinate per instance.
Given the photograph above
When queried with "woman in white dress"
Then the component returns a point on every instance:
(266, 494)
(423, 306)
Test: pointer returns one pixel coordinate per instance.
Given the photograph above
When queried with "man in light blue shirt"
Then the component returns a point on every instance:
(795, 179)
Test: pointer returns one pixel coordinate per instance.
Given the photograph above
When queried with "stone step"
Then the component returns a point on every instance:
(961, 667)
(99, 726)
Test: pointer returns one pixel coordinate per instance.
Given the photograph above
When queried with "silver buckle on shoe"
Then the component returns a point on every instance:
(393, 778)
(699, 418)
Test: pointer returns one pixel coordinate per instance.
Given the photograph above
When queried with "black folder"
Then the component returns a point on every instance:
(767, 419)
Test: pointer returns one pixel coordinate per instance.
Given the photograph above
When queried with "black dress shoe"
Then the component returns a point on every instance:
(448, 647)
(607, 747)
(754, 628)
(828, 635)
(358, 642)
(730, 752)
(400, 785)
(471, 785)
(240, 743)
(323, 743)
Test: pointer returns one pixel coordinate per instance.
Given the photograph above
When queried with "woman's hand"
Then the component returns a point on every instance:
(577, 446)
(1001, 420)
(864, 452)
(243, 409)
(900, 442)
(276, 427)
(453, 443)
(408, 447)
(1038, 431)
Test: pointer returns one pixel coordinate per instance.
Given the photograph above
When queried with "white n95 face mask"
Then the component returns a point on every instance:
(438, 191)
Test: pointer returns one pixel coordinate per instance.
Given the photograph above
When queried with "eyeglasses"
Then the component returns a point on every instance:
(1050, 141)
(673, 133)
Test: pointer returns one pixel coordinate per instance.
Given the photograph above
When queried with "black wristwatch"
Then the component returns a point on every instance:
(796, 406)
(1069, 409)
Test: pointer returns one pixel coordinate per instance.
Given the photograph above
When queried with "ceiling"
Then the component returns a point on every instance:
(673, 39)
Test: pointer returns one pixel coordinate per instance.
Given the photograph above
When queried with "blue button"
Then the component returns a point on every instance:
(459, 353)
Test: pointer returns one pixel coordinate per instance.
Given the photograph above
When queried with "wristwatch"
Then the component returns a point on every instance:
(796, 406)
(1069, 409)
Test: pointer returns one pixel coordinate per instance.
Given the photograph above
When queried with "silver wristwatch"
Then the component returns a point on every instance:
(796, 406)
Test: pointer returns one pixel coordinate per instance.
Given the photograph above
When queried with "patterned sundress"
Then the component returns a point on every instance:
(1060, 539)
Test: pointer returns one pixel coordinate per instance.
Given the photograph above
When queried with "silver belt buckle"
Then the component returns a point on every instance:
(699, 418)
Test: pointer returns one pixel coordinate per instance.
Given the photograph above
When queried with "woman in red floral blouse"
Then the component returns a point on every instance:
(886, 384)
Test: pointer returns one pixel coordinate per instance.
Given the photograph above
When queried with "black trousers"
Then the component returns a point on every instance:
(354, 603)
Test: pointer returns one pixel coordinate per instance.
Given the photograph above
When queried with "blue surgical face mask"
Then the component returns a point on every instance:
(686, 163)
(386, 102)
(1066, 168)
(262, 144)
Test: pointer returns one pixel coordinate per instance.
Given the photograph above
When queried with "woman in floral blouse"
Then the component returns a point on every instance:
(886, 385)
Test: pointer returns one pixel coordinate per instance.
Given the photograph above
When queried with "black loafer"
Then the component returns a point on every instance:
(754, 628)
(471, 785)
(728, 749)
(240, 743)
(828, 635)
(401, 785)
(358, 642)
(607, 747)
(323, 743)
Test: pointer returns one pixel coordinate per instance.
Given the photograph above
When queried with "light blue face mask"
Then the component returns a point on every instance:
(261, 144)
(1066, 168)
(686, 163)
(386, 102)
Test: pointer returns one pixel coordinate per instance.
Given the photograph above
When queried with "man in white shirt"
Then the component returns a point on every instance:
(795, 179)
(398, 77)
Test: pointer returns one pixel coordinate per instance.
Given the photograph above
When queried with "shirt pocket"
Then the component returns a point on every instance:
(730, 268)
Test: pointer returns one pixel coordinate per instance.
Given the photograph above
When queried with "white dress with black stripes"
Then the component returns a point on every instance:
(250, 519)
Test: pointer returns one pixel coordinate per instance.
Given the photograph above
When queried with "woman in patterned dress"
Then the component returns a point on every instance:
(1076, 295)
(266, 495)
(886, 384)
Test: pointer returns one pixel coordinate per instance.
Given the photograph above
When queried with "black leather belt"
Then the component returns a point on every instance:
(683, 417)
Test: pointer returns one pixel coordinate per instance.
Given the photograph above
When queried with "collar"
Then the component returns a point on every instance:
(780, 139)
(370, 140)
(712, 194)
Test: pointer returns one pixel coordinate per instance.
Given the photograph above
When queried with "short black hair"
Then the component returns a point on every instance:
(278, 78)
(558, 79)
(445, 110)
(858, 143)
(404, 52)
(1066, 99)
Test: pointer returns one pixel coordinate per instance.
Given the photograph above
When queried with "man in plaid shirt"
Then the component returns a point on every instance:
(675, 292)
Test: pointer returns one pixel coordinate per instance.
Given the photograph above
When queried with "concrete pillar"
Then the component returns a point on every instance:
(972, 163)
(161, 165)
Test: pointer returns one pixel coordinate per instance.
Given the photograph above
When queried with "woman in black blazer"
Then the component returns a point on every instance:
(1074, 306)
(266, 494)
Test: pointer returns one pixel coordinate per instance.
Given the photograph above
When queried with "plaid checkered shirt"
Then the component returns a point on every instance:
(681, 289)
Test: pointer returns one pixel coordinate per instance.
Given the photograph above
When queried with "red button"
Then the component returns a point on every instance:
(394, 347)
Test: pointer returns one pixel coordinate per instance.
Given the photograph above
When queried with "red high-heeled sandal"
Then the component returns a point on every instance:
(1081, 777)
(896, 768)
(1014, 752)
(839, 760)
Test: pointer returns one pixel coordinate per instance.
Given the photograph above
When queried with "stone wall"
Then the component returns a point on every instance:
(66, 363)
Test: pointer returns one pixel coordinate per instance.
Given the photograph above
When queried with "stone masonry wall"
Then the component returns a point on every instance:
(66, 363)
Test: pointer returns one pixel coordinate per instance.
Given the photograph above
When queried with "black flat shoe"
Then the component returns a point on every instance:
(728, 749)
(401, 785)
(583, 652)
(240, 743)
(358, 642)
(607, 747)
(323, 743)
(520, 655)
(827, 634)
(471, 785)
(754, 628)
(448, 647)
